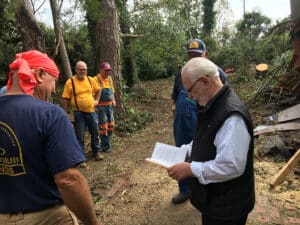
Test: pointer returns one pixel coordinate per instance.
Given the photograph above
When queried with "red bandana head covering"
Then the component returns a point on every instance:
(30, 60)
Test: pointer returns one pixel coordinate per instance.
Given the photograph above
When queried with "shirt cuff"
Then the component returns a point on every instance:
(196, 168)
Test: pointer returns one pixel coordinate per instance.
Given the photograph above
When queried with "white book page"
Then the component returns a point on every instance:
(167, 155)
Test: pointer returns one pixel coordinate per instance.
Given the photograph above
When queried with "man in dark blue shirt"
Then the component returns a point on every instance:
(39, 151)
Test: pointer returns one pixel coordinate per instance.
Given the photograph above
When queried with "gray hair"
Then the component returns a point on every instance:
(198, 67)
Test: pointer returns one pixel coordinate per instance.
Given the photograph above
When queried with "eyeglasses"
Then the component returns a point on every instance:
(189, 90)
(81, 69)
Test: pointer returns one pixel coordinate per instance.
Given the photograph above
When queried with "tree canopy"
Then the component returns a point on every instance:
(160, 29)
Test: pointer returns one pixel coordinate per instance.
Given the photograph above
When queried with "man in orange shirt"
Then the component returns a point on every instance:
(83, 94)
(105, 106)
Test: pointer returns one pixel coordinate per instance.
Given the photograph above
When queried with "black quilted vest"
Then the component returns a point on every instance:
(230, 199)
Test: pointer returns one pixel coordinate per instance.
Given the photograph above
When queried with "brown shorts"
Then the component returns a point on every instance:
(57, 215)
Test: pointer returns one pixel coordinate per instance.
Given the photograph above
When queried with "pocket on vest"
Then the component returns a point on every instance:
(198, 194)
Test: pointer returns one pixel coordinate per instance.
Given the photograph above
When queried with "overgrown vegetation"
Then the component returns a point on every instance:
(258, 91)
(133, 120)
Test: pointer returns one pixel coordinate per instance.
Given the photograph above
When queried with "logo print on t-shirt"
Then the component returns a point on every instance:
(11, 157)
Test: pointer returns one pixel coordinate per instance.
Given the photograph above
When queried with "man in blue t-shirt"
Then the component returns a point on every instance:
(185, 112)
(39, 151)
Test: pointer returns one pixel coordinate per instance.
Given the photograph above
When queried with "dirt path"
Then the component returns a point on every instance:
(129, 191)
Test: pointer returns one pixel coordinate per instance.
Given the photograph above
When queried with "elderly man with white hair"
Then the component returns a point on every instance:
(221, 157)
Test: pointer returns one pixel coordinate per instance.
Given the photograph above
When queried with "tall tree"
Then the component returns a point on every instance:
(209, 17)
(166, 26)
(10, 38)
(104, 30)
(60, 43)
(32, 36)
(129, 65)
(254, 24)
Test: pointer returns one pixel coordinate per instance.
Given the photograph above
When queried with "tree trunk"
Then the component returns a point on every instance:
(106, 43)
(130, 68)
(60, 43)
(32, 36)
(209, 17)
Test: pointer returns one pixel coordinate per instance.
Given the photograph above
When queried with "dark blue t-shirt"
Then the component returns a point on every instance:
(37, 141)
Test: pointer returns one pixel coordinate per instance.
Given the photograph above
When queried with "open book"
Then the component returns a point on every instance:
(167, 155)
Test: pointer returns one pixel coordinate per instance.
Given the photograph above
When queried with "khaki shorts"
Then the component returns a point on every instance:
(57, 215)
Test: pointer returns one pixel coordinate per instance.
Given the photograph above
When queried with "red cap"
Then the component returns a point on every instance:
(105, 66)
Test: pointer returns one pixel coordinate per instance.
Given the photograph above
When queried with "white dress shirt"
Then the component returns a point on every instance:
(232, 145)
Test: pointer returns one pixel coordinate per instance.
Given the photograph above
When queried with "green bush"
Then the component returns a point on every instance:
(132, 121)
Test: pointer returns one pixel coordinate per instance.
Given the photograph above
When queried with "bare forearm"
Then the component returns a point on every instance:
(76, 195)
(97, 98)
(114, 101)
(97, 95)
(64, 105)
